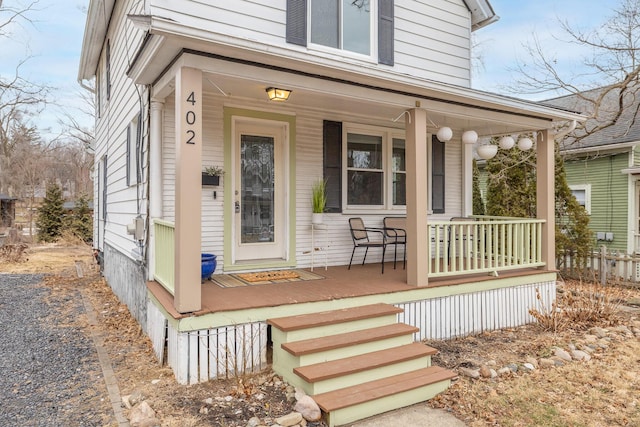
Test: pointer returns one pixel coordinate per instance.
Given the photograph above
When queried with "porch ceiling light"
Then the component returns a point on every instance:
(525, 144)
(487, 151)
(506, 142)
(470, 137)
(276, 94)
(444, 134)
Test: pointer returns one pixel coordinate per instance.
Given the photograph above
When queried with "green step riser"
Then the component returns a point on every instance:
(338, 328)
(341, 353)
(368, 375)
(385, 404)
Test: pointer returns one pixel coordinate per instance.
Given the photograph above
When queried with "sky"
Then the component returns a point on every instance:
(501, 42)
(54, 39)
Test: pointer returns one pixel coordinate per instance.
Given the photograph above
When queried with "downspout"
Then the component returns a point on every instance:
(84, 86)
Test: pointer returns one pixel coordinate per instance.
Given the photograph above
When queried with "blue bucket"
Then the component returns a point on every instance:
(209, 264)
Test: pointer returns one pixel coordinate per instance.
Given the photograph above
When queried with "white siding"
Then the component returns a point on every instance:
(124, 202)
(432, 37)
(308, 169)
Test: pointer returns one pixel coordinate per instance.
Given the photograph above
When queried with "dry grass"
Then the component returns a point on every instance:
(602, 392)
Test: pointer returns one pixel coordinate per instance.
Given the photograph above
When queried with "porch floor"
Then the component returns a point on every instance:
(338, 283)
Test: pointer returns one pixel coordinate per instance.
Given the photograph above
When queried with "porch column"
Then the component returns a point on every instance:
(417, 207)
(155, 178)
(467, 179)
(188, 189)
(545, 195)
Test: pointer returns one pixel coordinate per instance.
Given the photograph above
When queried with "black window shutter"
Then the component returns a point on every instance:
(297, 22)
(385, 32)
(332, 161)
(437, 175)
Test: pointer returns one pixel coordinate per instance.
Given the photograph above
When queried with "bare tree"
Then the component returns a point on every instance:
(18, 97)
(609, 90)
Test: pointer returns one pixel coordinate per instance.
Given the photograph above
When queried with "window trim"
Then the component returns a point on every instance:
(387, 135)
(587, 195)
(373, 36)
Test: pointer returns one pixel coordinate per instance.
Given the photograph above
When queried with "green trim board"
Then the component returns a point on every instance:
(236, 317)
(228, 114)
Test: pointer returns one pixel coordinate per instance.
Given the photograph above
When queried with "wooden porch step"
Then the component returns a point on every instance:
(356, 402)
(364, 362)
(317, 345)
(305, 321)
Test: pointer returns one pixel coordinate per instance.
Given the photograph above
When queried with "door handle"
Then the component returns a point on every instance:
(237, 207)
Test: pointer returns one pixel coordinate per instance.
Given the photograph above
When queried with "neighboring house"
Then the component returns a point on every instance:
(184, 85)
(603, 170)
(7, 210)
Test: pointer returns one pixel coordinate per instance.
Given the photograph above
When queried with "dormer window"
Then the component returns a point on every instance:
(342, 24)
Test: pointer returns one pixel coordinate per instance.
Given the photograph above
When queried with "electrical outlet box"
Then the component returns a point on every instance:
(136, 228)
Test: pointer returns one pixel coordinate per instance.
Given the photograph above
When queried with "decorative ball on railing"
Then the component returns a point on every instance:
(444, 134)
(470, 137)
(506, 142)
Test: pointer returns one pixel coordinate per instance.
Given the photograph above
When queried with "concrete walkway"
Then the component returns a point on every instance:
(419, 415)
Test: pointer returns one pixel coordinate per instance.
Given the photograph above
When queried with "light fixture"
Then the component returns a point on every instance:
(525, 144)
(487, 151)
(470, 137)
(506, 142)
(444, 134)
(276, 94)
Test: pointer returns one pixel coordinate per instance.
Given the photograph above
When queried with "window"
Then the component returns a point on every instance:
(108, 70)
(342, 24)
(582, 193)
(365, 168)
(104, 188)
(375, 168)
(349, 25)
(133, 152)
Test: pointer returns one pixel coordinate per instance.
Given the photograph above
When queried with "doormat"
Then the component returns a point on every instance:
(263, 278)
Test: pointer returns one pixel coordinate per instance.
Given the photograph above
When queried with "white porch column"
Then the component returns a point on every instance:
(188, 187)
(155, 178)
(545, 195)
(467, 179)
(417, 207)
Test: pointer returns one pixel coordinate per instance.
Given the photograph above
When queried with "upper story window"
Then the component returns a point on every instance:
(360, 26)
(342, 24)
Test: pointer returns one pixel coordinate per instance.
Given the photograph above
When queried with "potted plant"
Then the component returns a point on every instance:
(318, 200)
(211, 175)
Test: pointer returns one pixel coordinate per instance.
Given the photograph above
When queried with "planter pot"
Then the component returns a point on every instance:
(317, 218)
(210, 179)
(209, 264)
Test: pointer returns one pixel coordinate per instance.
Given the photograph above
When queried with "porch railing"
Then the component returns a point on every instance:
(164, 258)
(484, 244)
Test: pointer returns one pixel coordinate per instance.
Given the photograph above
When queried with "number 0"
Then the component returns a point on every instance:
(190, 117)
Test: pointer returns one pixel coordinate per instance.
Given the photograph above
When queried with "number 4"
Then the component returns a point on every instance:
(191, 98)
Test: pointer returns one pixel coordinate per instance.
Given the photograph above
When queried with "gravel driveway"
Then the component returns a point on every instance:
(49, 371)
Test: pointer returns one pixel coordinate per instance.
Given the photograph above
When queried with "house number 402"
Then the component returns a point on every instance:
(190, 118)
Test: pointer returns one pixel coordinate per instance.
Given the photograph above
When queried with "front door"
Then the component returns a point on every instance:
(259, 191)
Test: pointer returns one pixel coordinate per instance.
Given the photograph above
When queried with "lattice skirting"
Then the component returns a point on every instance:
(198, 356)
(469, 314)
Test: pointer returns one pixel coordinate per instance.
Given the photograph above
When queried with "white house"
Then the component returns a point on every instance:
(185, 85)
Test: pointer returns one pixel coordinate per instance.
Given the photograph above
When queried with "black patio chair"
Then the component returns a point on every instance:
(360, 235)
(396, 233)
